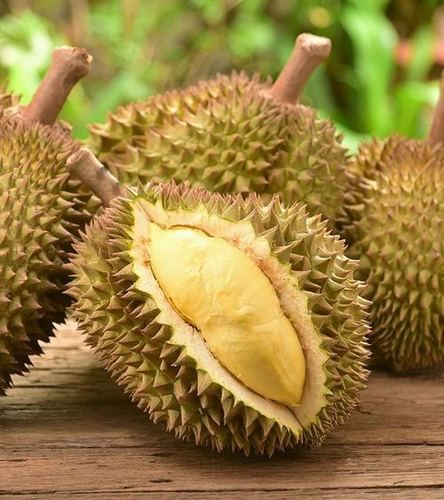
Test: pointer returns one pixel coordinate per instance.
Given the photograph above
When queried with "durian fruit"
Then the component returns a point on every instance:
(394, 222)
(236, 323)
(41, 211)
(233, 134)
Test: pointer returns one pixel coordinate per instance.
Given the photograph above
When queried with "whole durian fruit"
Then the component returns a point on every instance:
(236, 323)
(233, 134)
(41, 211)
(393, 219)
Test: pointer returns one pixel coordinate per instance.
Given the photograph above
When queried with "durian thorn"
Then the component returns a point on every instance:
(308, 53)
(68, 66)
(436, 132)
(84, 165)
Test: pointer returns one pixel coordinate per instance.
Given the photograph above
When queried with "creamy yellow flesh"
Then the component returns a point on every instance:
(224, 294)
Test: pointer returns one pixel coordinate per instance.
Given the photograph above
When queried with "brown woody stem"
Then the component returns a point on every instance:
(308, 53)
(436, 132)
(69, 65)
(95, 176)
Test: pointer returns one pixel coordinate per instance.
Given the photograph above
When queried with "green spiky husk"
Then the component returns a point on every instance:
(393, 220)
(227, 135)
(41, 212)
(162, 378)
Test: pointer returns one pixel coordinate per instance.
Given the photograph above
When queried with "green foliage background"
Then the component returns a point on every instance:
(381, 77)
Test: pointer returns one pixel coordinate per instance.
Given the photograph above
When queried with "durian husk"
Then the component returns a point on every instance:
(227, 135)
(393, 219)
(7, 100)
(41, 212)
(165, 377)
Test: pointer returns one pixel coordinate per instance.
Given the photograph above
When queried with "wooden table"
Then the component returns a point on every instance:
(67, 432)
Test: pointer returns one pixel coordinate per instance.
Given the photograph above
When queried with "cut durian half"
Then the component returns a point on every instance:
(148, 321)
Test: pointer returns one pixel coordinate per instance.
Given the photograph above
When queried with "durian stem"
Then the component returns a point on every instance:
(436, 132)
(69, 65)
(84, 165)
(308, 53)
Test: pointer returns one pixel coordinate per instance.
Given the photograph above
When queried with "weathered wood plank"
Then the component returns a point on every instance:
(182, 467)
(324, 494)
(66, 429)
(394, 410)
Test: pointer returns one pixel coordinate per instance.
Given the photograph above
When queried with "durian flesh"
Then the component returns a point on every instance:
(224, 294)
(152, 338)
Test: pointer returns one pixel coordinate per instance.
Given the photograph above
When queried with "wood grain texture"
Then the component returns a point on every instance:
(67, 431)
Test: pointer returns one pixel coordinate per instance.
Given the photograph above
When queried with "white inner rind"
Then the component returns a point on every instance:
(293, 302)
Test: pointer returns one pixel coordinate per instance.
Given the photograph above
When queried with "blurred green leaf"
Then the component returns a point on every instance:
(141, 48)
(411, 99)
(250, 35)
(26, 45)
(370, 5)
(213, 11)
(374, 40)
(422, 48)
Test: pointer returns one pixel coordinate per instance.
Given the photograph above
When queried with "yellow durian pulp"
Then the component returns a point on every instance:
(224, 294)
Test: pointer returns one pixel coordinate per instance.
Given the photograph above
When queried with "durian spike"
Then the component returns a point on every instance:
(84, 165)
(436, 132)
(308, 53)
(68, 66)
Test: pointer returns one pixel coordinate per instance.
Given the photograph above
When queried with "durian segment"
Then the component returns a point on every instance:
(224, 294)
(41, 212)
(227, 135)
(393, 219)
(163, 363)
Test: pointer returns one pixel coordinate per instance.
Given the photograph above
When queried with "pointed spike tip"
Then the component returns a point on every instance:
(68, 66)
(436, 132)
(308, 53)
